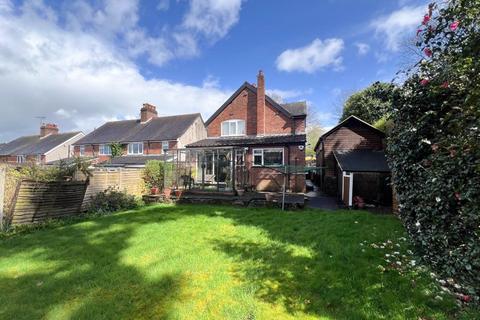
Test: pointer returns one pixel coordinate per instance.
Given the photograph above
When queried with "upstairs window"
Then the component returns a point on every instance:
(135, 148)
(105, 150)
(21, 159)
(233, 128)
(165, 146)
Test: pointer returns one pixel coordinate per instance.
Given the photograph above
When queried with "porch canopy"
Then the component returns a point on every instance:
(361, 162)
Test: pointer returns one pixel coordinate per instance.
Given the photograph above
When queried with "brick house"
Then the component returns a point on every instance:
(48, 146)
(353, 147)
(252, 138)
(141, 139)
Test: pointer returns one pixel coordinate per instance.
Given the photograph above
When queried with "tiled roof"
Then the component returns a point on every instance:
(157, 129)
(35, 145)
(249, 141)
(298, 108)
(293, 111)
(362, 160)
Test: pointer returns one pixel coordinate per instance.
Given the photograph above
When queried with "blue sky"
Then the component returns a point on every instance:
(80, 63)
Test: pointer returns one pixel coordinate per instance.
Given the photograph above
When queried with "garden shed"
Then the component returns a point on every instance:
(363, 173)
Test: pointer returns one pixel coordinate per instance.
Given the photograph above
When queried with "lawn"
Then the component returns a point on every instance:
(207, 262)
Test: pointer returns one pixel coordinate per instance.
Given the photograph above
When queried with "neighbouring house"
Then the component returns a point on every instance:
(141, 139)
(254, 142)
(49, 145)
(352, 163)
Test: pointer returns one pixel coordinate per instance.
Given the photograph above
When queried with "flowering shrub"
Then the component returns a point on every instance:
(434, 147)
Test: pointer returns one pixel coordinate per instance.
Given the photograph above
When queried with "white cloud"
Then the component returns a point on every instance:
(314, 56)
(362, 48)
(77, 79)
(212, 18)
(163, 5)
(396, 26)
(284, 95)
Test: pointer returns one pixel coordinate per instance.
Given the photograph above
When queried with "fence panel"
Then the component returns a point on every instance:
(37, 201)
(129, 180)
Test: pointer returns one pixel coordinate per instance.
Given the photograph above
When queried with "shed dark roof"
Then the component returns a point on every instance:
(362, 160)
(35, 145)
(157, 129)
(343, 123)
(286, 109)
(249, 141)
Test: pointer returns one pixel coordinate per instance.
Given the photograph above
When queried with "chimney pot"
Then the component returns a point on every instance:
(147, 112)
(47, 129)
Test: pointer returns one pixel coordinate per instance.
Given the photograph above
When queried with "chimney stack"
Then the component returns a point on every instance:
(148, 112)
(47, 129)
(261, 102)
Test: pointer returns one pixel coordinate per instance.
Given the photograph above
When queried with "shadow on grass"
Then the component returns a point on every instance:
(312, 262)
(82, 275)
(307, 261)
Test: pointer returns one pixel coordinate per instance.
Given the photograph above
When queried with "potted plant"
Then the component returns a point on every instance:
(178, 193)
(154, 190)
(241, 191)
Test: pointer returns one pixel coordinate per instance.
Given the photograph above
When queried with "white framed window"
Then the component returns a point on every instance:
(233, 128)
(135, 148)
(165, 146)
(105, 150)
(21, 159)
(82, 151)
(268, 157)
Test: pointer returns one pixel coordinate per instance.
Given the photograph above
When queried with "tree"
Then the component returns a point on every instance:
(434, 146)
(369, 104)
(314, 130)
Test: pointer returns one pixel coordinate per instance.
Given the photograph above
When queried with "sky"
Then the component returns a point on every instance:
(80, 63)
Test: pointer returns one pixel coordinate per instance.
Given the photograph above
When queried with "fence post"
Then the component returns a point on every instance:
(2, 194)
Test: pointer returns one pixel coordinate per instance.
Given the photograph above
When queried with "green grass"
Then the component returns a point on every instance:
(206, 262)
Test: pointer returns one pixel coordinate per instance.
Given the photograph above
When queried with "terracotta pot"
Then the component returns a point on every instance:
(241, 192)
(167, 192)
(154, 190)
(178, 193)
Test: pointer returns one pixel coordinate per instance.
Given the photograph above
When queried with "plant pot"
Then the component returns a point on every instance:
(178, 193)
(167, 192)
(154, 190)
(241, 192)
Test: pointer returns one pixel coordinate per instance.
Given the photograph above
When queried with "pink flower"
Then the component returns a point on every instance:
(465, 298)
(418, 31)
(424, 82)
(445, 85)
(426, 18)
(427, 52)
(457, 196)
(454, 25)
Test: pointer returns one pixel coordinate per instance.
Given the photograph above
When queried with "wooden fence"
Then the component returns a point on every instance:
(37, 201)
(129, 180)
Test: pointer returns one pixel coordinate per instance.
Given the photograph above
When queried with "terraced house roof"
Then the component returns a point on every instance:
(35, 145)
(156, 129)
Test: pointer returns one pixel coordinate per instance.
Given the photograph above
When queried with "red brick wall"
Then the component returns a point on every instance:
(244, 107)
(267, 179)
(148, 149)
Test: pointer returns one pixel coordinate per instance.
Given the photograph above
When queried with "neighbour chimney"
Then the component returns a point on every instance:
(148, 112)
(261, 102)
(48, 128)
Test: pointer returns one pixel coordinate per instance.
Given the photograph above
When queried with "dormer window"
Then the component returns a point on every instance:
(233, 128)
